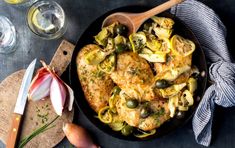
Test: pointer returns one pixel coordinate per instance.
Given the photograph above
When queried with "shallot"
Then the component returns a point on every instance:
(40, 86)
(48, 83)
(78, 136)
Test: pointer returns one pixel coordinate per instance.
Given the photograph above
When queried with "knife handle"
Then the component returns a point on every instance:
(14, 130)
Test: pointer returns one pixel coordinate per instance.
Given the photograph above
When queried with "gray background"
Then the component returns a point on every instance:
(80, 14)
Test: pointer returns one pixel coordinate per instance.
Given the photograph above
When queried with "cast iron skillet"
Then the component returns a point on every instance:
(87, 38)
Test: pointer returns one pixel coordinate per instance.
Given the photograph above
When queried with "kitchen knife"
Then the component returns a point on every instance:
(20, 105)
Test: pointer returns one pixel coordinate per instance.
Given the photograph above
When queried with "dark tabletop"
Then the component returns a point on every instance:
(80, 14)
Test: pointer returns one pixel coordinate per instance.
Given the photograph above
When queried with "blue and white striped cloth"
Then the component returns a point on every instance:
(211, 34)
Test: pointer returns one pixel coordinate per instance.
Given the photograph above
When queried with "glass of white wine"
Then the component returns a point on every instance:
(47, 19)
(7, 36)
(20, 2)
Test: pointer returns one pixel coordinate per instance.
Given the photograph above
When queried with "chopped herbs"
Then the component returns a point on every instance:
(42, 113)
(38, 131)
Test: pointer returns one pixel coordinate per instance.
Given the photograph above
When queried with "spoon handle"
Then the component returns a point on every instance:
(158, 9)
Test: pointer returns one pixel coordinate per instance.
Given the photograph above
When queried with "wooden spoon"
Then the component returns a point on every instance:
(134, 20)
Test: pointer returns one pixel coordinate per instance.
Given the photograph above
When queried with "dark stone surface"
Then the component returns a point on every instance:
(80, 14)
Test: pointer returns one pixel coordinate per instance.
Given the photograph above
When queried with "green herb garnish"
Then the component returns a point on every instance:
(38, 131)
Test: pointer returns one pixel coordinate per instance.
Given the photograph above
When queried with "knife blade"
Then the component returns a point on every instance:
(20, 105)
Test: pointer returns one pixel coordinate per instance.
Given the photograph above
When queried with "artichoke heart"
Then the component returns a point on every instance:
(164, 22)
(172, 74)
(138, 41)
(192, 85)
(186, 100)
(109, 64)
(173, 104)
(95, 56)
(154, 57)
(162, 32)
(172, 90)
(187, 96)
(109, 47)
(154, 44)
(102, 36)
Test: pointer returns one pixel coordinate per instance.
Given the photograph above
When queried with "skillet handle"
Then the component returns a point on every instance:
(62, 57)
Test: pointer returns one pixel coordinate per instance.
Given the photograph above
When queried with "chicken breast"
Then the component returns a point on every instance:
(177, 63)
(159, 114)
(134, 76)
(96, 85)
(173, 62)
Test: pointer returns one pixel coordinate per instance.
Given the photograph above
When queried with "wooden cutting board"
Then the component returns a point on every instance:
(36, 113)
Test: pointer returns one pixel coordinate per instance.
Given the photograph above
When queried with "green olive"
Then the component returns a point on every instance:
(144, 112)
(132, 103)
(127, 130)
(120, 48)
(121, 29)
(162, 83)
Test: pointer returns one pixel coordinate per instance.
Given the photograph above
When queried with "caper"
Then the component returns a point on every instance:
(144, 112)
(120, 48)
(116, 90)
(127, 130)
(132, 103)
(128, 45)
(121, 29)
(162, 83)
(180, 114)
(147, 26)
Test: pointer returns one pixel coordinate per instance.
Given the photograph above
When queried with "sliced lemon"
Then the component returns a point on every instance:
(14, 1)
(145, 133)
(154, 45)
(181, 46)
(40, 22)
(104, 115)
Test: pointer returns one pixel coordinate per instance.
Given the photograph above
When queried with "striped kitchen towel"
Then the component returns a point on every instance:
(211, 34)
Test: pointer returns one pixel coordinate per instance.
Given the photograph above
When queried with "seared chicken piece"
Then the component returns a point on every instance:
(159, 114)
(174, 61)
(134, 76)
(182, 65)
(97, 85)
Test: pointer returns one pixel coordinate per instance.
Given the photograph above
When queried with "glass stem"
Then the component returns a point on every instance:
(1, 36)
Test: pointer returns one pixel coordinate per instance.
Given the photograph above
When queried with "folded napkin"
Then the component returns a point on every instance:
(211, 34)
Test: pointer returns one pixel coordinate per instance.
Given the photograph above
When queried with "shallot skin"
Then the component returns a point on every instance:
(47, 83)
(78, 136)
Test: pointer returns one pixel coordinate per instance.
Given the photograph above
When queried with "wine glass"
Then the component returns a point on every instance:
(47, 19)
(20, 2)
(7, 35)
